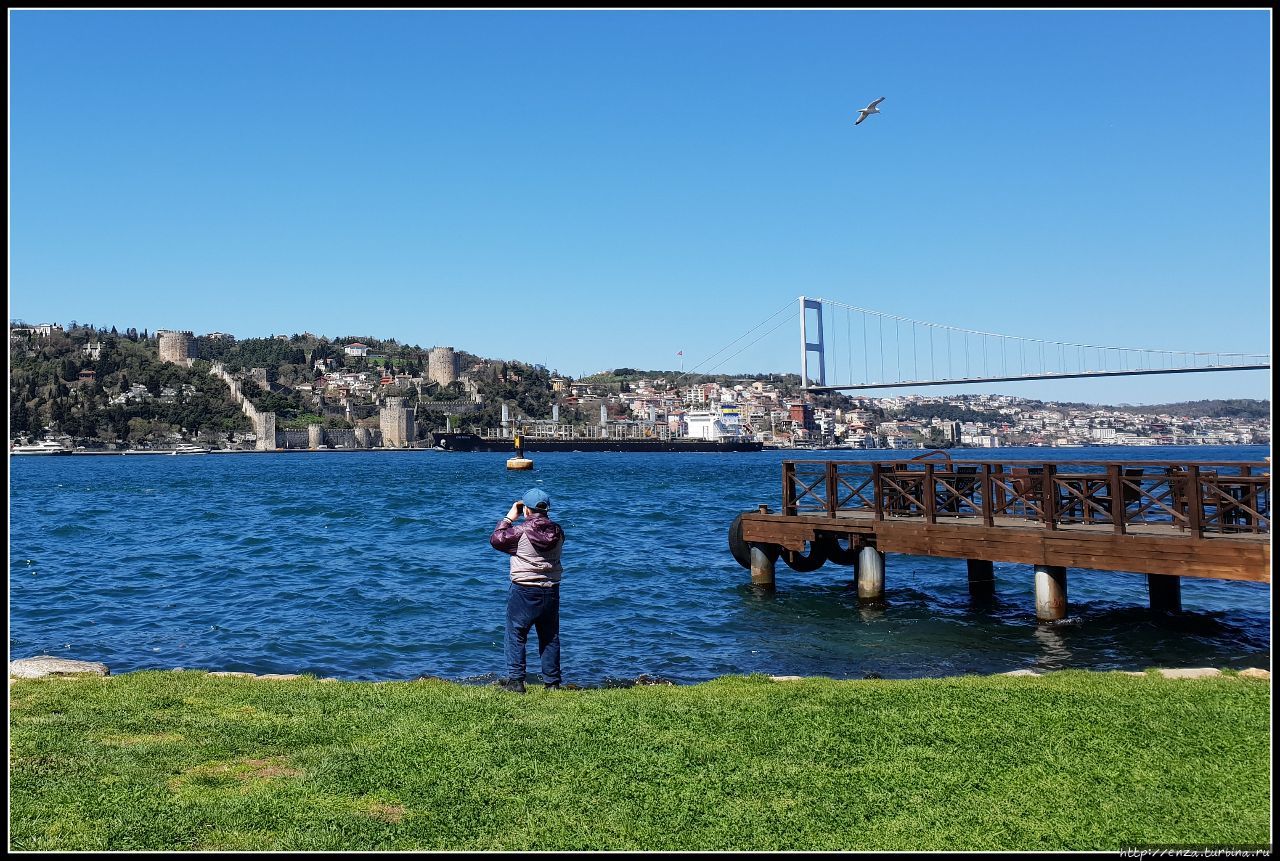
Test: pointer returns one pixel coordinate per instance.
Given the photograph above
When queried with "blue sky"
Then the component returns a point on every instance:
(599, 189)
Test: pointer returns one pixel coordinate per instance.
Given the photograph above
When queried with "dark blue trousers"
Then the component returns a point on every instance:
(537, 607)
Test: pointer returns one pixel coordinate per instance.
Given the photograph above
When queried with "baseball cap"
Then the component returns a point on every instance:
(537, 498)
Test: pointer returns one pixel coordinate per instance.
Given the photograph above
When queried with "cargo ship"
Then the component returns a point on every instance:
(474, 442)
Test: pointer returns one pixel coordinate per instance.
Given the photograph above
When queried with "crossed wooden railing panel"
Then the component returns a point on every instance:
(1194, 497)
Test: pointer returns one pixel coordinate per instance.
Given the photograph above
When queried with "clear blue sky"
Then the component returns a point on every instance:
(599, 189)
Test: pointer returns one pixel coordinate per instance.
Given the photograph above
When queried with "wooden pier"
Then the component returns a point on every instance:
(1164, 519)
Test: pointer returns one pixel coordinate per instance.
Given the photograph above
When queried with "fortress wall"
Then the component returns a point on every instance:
(294, 438)
(264, 424)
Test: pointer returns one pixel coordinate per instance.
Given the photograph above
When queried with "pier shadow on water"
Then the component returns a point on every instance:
(916, 633)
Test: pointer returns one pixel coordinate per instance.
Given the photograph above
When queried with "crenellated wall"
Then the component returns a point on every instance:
(264, 423)
(398, 421)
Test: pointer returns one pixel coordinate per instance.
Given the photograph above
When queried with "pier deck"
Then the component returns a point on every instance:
(1182, 519)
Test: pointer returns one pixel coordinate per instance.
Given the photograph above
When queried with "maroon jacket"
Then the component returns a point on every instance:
(534, 547)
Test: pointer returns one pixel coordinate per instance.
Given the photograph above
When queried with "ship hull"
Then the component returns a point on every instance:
(471, 442)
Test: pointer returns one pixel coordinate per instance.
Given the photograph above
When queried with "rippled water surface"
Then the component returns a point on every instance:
(376, 565)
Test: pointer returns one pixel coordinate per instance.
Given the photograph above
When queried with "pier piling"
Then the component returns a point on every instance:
(762, 568)
(1051, 593)
(982, 578)
(1165, 591)
(870, 574)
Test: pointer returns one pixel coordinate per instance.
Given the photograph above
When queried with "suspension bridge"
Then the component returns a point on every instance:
(1168, 520)
(845, 347)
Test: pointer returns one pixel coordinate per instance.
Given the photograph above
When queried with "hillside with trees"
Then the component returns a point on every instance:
(1233, 408)
(107, 388)
(131, 396)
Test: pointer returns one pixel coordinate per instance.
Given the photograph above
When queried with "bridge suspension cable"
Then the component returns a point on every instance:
(775, 318)
(897, 351)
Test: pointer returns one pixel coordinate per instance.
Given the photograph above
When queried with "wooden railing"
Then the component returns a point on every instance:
(1197, 498)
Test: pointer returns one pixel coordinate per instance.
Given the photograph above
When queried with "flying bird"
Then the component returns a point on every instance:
(868, 110)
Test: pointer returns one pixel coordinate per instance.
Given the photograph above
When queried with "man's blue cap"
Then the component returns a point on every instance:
(537, 498)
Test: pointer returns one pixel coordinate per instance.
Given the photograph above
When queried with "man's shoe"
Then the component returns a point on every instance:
(516, 686)
(555, 687)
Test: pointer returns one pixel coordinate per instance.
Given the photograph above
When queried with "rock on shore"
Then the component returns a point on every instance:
(42, 666)
(48, 665)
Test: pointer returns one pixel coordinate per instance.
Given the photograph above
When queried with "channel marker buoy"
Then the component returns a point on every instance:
(519, 461)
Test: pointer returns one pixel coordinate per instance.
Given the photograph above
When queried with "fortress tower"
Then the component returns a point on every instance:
(442, 365)
(396, 422)
(177, 347)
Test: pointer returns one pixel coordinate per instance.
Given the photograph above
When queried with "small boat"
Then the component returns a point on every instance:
(188, 448)
(46, 446)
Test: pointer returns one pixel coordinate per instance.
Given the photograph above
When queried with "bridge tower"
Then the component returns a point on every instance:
(807, 346)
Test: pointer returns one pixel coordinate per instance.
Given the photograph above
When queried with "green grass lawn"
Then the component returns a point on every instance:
(1071, 760)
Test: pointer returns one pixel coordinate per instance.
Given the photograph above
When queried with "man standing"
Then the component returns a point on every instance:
(533, 599)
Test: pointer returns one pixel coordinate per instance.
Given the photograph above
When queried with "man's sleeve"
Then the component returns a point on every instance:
(505, 537)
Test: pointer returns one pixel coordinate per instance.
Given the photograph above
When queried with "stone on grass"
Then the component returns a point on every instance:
(1191, 673)
(231, 673)
(1256, 673)
(1023, 672)
(280, 676)
(787, 678)
(48, 665)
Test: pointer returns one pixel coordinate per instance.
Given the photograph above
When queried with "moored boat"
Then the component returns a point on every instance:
(45, 446)
(472, 442)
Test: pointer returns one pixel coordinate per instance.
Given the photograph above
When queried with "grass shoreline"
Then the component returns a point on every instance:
(1075, 760)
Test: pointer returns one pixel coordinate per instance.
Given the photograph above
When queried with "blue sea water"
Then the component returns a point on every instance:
(376, 565)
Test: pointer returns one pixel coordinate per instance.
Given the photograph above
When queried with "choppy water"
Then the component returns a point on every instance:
(376, 565)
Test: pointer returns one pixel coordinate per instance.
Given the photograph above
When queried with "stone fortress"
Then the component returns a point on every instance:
(397, 426)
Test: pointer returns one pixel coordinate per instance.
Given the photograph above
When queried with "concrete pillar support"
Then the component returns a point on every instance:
(1051, 593)
(762, 568)
(870, 574)
(982, 578)
(1165, 591)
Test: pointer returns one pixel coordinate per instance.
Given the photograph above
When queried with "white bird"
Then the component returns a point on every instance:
(868, 110)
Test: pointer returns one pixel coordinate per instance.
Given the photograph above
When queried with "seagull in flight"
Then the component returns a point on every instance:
(868, 110)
